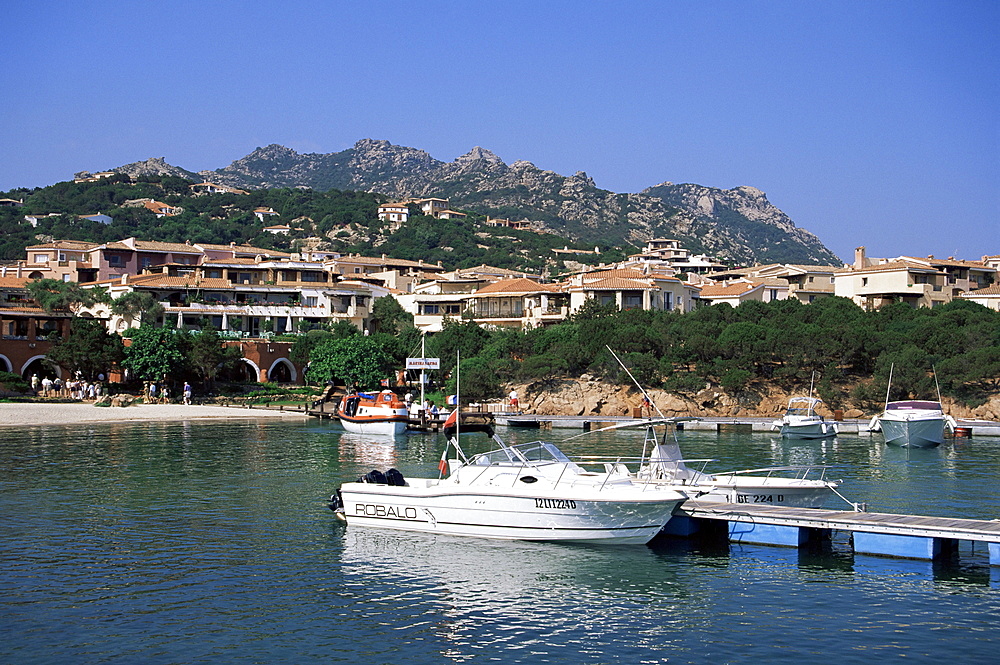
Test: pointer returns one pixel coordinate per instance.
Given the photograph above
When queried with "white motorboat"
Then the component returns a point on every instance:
(914, 423)
(380, 413)
(529, 491)
(802, 422)
(778, 485)
(795, 486)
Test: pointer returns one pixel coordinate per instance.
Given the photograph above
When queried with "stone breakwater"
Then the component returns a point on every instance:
(589, 396)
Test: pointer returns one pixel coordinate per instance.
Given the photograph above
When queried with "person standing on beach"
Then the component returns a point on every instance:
(34, 383)
(187, 393)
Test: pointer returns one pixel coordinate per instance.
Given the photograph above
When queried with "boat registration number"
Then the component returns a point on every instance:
(558, 504)
(760, 498)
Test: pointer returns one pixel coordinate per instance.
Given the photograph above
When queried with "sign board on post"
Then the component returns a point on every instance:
(423, 363)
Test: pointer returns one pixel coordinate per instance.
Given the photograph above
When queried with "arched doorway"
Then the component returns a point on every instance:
(282, 371)
(243, 372)
(5, 365)
(41, 366)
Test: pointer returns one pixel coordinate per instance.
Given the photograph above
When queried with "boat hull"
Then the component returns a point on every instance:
(376, 426)
(632, 516)
(913, 433)
(788, 492)
(811, 430)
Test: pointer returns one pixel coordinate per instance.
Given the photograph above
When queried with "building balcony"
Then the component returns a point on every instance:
(250, 309)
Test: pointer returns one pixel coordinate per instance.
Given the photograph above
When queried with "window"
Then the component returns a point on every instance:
(453, 309)
(632, 300)
(41, 258)
(310, 301)
(145, 262)
(864, 281)
(66, 278)
(216, 274)
(312, 277)
(431, 309)
(116, 261)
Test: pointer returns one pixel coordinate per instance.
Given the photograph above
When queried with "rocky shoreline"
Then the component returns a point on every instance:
(590, 396)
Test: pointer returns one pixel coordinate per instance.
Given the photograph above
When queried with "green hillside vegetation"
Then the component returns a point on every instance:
(347, 221)
(747, 348)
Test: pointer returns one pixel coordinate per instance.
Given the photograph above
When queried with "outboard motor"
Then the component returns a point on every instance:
(395, 478)
(375, 477)
(337, 502)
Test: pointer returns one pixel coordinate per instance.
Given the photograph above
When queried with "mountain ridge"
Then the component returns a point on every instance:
(738, 225)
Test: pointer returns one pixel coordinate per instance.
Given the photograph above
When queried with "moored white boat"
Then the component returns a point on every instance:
(379, 413)
(802, 422)
(914, 423)
(795, 486)
(529, 491)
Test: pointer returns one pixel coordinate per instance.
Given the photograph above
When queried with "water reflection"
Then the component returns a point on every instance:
(513, 596)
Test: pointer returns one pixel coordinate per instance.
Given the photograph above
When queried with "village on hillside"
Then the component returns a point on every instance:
(251, 294)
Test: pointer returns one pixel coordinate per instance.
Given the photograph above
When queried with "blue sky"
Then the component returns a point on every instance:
(870, 123)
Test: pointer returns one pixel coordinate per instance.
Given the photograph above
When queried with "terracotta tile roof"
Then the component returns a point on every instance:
(482, 268)
(993, 290)
(173, 247)
(21, 309)
(10, 282)
(615, 284)
(737, 289)
(518, 285)
(165, 281)
(242, 260)
(947, 262)
(892, 266)
(66, 244)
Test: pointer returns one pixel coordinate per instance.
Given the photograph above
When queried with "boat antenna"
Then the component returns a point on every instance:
(889, 387)
(937, 387)
(812, 379)
(637, 384)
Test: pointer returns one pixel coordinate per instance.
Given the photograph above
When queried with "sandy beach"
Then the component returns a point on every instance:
(39, 413)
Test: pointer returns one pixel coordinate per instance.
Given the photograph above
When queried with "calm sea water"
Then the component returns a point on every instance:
(211, 542)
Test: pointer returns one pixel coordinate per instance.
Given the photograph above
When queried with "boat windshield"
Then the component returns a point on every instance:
(537, 452)
(802, 406)
(910, 405)
(800, 412)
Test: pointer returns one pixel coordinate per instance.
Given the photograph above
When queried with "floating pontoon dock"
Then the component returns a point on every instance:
(880, 534)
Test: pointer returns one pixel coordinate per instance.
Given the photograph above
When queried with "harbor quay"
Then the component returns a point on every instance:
(759, 425)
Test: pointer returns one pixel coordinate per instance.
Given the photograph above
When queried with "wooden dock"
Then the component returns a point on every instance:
(880, 534)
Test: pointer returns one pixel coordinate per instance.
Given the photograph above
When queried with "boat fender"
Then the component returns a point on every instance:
(395, 478)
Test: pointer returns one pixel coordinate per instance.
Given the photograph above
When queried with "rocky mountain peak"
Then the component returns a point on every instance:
(479, 154)
(154, 166)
